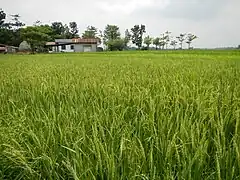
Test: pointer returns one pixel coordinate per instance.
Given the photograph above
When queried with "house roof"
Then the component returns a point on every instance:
(50, 43)
(73, 41)
(3, 45)
(87, 40)
(2, 48)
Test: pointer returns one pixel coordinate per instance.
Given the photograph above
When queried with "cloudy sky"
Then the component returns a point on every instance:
(215, 22)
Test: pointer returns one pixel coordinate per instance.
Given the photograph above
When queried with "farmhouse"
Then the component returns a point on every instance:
(73, 45)
(7, 49)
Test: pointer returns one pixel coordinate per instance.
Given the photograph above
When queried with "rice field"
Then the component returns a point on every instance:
(168, 115)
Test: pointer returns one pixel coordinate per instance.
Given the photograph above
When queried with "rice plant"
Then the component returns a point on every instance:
(129, 115)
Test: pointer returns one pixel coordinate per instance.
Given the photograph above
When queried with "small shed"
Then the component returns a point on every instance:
(7, 49)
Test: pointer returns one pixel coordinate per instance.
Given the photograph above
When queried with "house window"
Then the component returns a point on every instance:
(72, 47)
(63, 47)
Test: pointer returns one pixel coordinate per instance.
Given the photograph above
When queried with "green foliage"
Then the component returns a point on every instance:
(127, 38)
(73, 29)
(90, 32)
(15, 22)
(2, 18)
(148, 41)
(173, 43)
(116, 45)
(37, 36)
(112, 38)
(156, 42)
(137, 35)
(190, 38)
(129, 115)
(167, 38)
(58, 30)
(111, 32)
(181, 38)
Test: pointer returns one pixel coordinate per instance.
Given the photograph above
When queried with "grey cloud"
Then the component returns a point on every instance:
(186, 9)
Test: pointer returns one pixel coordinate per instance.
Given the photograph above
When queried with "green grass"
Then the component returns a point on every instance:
(122, 115)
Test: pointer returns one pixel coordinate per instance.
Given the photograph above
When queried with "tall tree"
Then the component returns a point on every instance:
(190, 38)
(156, 42)
(2, 18)
(127, 37)
(67, 34)
(73, 29)
(16, 23)
(148, 41)
(116, 44)
(167, 38)
(162, 41)
(137, 35)
(90, 32)
(181, 38)
(37, 23)
(58, 30)
(174, 44)
(36, 36)
(110, 34)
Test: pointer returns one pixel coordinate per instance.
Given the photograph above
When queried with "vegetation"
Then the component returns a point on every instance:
(137, 35)
(15, 31)
(129, 115)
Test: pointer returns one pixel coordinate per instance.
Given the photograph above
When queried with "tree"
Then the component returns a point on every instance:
(127, 38)
(2, 18)
(16, 23)
(58, 30)
(156, 42)
(148, 41)
(90, 32)
(116, 44)
(73, 29)
(37, 23)
(167, 38)
(174, 44)
(181, 38)
(190, 38)
(37, 36)
(110, 34)
(137, 35)
(67, 34)
(162, 41)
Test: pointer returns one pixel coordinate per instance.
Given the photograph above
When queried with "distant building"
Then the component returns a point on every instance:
(7, 49)
(73, 45)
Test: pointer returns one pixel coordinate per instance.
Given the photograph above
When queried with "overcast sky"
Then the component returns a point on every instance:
(215, 22)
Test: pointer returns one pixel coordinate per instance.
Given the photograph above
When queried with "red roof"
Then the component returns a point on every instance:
(2, 48)
(88, 40)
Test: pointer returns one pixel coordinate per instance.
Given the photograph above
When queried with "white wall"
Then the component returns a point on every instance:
(68, 49)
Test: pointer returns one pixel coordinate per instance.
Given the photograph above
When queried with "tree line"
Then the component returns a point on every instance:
(36, 35)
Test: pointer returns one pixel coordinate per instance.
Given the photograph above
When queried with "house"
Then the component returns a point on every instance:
(73, 45)
(7, 49)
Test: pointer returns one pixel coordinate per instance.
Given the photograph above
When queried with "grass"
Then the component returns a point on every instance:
(123, 115)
